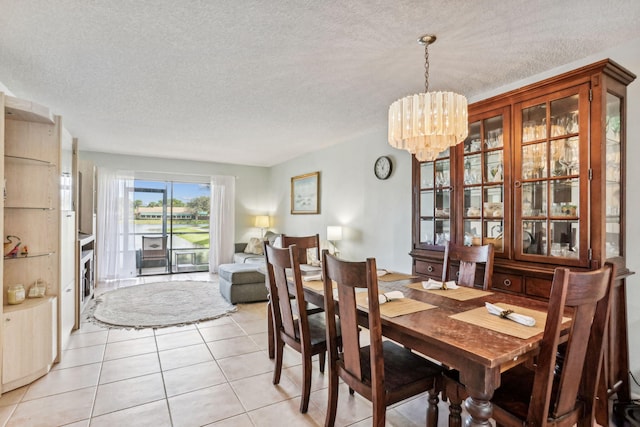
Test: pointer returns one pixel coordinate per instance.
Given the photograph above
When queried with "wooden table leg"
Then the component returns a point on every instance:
(270, 334)
(480, 410)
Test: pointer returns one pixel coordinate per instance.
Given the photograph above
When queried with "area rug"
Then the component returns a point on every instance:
(161, 304)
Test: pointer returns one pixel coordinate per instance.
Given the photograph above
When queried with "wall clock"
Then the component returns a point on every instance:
(383, 167)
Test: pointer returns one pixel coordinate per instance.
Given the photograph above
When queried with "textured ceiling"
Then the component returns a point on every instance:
(261, 82)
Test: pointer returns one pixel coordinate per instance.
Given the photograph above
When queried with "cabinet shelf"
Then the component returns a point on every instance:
(35, 208)
(30, 255)
(30, 160)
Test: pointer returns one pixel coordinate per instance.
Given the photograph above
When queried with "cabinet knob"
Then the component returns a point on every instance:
(7, 319)
(430, 269)
(507, 282)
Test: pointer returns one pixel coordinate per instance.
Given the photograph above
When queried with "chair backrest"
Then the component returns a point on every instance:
(280, 263)
(154, 247)
(587, 294)
(469, 257)
(303, 243)
(348, 276)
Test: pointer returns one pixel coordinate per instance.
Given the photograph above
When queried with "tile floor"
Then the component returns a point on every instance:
(215, 373)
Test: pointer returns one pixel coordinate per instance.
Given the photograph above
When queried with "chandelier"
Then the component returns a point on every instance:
(425, 124)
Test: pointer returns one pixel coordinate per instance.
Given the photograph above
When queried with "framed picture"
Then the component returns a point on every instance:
(304, 193)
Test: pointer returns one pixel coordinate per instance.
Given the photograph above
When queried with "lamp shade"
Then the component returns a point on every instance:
(262, 221)
(334, 233)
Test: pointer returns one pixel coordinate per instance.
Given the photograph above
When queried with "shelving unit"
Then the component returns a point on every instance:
(31, 147)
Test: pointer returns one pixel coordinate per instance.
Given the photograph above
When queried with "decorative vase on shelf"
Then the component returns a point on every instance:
(11, 245)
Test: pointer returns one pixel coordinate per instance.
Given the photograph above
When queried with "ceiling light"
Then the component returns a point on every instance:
(425, 124)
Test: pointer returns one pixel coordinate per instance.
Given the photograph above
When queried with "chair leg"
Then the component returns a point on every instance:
(322, 358)
(332, 403)
(306, 382)
(270, 333)
(455, 411)
(432, 409)
(278, 366)
(379, 414)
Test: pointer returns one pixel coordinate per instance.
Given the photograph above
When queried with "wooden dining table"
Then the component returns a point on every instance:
(480, 354)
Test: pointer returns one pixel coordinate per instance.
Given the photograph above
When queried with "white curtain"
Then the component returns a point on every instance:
(115, 238)
(222, 221)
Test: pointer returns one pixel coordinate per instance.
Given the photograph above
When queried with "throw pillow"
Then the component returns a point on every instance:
(254, 246)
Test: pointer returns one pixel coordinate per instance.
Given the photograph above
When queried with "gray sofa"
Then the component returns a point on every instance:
(243, 280)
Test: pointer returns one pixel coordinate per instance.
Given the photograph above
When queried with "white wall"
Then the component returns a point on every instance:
(377, 214)
(252, 183)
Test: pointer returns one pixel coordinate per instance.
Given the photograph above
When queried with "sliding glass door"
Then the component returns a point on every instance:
(171, 226)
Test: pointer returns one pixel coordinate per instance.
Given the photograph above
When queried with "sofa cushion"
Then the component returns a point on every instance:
(238, 274)
(254, 246)
(242, 258)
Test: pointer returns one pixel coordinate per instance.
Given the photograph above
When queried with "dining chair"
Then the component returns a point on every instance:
(562, 395)
(468, 258)
(154, 248)
(382, 372)
(301, 331)
(305, 245)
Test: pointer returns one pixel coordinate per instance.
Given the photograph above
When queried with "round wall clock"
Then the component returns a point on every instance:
(383, 167)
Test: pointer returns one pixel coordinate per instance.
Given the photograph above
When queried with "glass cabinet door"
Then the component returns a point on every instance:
(613, 177)
(552, 179)
(483, 200)
(435, 201)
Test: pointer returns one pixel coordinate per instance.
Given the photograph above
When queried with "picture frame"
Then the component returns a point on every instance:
(304, 193)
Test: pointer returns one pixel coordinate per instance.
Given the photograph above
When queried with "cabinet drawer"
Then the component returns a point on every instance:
(507, 282)
(537, 287)
(431, 269)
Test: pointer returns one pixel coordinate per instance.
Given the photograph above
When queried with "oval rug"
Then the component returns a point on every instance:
(156, 305)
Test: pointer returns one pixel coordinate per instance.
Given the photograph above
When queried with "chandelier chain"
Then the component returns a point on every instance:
(426, 68)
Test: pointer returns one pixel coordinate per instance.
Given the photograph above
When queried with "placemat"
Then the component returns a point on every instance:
(316, 285)
(481, 317)
(396, 307)
(392, 277)
(463, 293)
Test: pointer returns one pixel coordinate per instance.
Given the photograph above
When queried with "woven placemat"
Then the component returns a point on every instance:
(393, 277)
(396, 307)
(316, 285)
(481, 317)
(463, 293)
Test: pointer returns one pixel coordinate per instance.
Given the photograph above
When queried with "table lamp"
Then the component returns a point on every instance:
(262, 221)
(334, 233)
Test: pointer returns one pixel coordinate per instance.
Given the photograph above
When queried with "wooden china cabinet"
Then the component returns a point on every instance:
(541, 176)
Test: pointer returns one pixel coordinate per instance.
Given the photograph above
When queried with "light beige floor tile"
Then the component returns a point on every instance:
(64, 380)
(128, 393)
(129, 367)
(83, 423)
(5, 413)
(179, 339)
(247, 312)
(154, 414)
(88, 339)
(246, 365)
(287, 413)
(318, 379)
(116, 350)
(232, 347)
(241, 420)
(351, 408)
(254, 326)
(54, 410)
(259, 390)
(261, 340)
(13, 397)
(193, 377)
(204, 406)
(88, 327)
(81, 356)
(221, 332)
(184, 356)
(174, 329)
(116, 335)
(224, 320)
